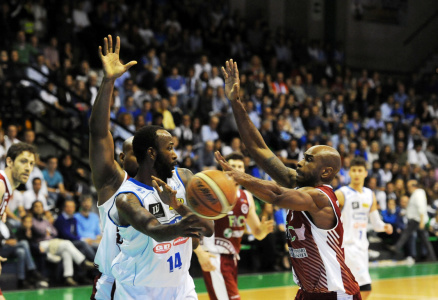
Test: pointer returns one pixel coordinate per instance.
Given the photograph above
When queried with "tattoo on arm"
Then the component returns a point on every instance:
(278, 171)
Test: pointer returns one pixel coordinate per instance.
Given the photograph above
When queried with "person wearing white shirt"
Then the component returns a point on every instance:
(209, 132)
(417, 156)
(35, 194)
(416, 213)
(215, 80)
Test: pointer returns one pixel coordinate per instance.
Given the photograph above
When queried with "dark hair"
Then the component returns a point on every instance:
(358, 161)
(18, 148)
(234, 156)
(35, 179)
(34, 203)
(145, 138)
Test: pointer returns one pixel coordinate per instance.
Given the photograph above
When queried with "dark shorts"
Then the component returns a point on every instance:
(365, 288)
(302, 295)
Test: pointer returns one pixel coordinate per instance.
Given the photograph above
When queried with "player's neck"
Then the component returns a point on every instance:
(8, 173)
(356, 187)
(144, 175)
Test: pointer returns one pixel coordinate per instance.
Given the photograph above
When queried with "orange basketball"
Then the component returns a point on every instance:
(211, 194)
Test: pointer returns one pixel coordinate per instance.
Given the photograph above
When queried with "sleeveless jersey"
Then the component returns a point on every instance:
(228, 231)
(109, 245)
(355, 216)
(142, 260)
(317, 255)
(8, 193)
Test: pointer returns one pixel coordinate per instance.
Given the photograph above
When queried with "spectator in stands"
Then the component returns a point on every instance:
(24, 50)
(401, 155)
(66, 225)
(388, 136)
(215, 80)
(386, 173)
(206, 160)
(45, 234)
(38, 72)
(203, 65)
(124, 130)
(280, 87)
(20, 250)
(168, 121)
(416, 213)
(11, 136)
(416, 156)
(51, 54)
(35, 194)
(176, 85)
(55, 182)
(376, 122)
(88, 223)
(209, 132)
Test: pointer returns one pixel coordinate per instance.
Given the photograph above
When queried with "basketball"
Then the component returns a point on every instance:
(211, 194)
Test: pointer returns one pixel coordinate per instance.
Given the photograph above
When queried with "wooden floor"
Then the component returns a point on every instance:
(418, 288)
(419, 282)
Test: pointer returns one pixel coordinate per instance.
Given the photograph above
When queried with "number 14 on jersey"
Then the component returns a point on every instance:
(178, 263)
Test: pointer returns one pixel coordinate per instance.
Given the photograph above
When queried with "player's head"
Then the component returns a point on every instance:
(319, 166)
(358, 170)
(235, 159)
(20, 159)
(153, 147)
(128, 159)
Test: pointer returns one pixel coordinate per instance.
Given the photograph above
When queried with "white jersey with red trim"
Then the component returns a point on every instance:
(354, 216)
(316, 254)
(142, 260)
(109, 246)
(8, 192)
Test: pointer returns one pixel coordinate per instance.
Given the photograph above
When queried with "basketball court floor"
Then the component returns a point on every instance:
(418, 282)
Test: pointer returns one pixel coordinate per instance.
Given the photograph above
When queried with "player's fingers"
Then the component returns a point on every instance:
(236, 70)
(99, 51)
(130, 64)
(110, 43)
(224, 73)
(3, 259)
(105, 46)
(156, 186)
(211, 255)
(117, 49)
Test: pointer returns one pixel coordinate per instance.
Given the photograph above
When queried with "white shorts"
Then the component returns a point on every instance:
(129, 292)
(357, 260)
(104, 286)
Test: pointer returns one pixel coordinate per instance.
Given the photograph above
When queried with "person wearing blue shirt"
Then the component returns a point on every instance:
(55, 181)
(88, 227)
(66, 224)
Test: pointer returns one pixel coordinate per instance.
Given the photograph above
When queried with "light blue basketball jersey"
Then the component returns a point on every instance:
(142, 260)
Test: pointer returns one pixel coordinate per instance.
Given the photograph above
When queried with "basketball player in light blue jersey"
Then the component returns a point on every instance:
(358, 204)
(155, 226)
(107, 174)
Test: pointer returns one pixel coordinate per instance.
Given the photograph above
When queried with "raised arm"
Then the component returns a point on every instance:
(132, 213)
(251, 137)
(105, 170)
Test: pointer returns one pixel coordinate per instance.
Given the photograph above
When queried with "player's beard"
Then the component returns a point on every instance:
(163, 168)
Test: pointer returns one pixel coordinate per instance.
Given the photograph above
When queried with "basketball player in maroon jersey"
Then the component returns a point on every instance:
(314, 230)
(219, 254)
(20, 160)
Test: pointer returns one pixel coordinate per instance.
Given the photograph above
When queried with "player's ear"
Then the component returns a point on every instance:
(152, 153)
(9, 162)
(121, 157)
(327, 172)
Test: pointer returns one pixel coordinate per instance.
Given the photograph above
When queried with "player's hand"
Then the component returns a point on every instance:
(266, 226)
(189, 226)
(232, 81)
(204, 258)
(228, 169)
(388, 228)
(112, 67)
(167, 195)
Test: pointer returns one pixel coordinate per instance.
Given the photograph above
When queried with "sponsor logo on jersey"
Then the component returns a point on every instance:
(366, 205)
(162, 248)
(298, 253)
(244, 208)
(299, 232)
(228, 232)
(157, 210)
(355, 205)
(180, 241)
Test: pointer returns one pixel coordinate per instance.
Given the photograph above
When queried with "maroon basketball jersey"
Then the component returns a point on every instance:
(228, 231)
(317, 255)
(8, 193)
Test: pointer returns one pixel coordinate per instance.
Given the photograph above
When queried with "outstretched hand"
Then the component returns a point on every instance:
(167, 195)
(228, 169)
(112, 67)
(232, 81)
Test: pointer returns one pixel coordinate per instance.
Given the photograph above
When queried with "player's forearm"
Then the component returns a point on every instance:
(151, 227)
(258, 149)
(267, 191)
(100, 114)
